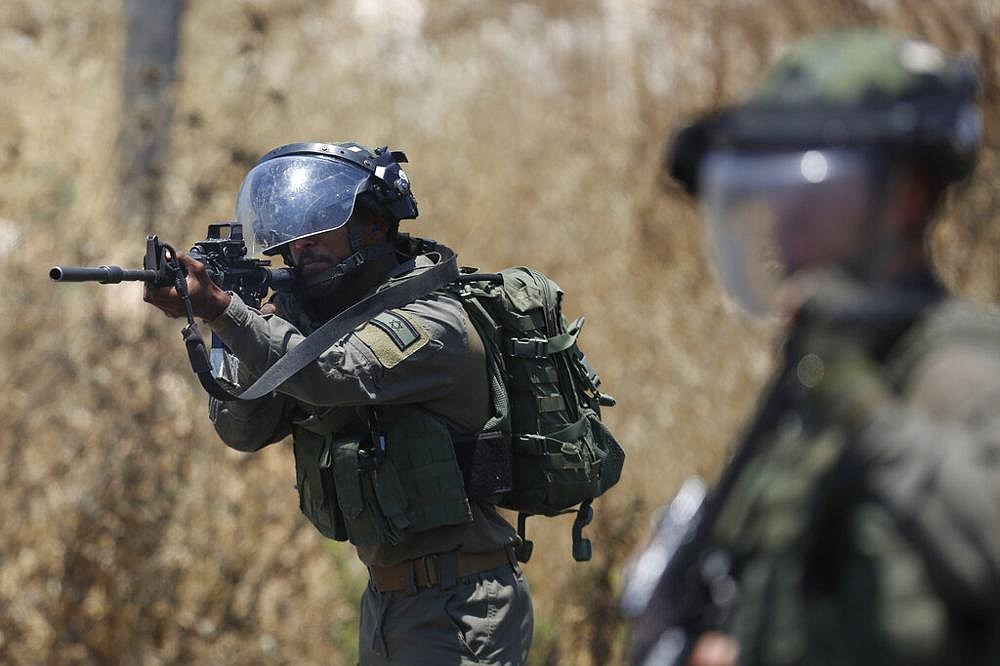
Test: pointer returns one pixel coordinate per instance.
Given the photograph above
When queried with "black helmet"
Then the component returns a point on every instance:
(303, 189)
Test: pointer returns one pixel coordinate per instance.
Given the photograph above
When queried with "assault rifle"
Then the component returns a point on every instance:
(677, 587)
(225, 260)
(224, 256)
(223, 252)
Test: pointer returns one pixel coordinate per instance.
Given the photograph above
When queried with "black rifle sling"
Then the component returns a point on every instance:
(392, 296)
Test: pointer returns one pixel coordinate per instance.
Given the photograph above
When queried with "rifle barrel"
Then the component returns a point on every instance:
(102, 274)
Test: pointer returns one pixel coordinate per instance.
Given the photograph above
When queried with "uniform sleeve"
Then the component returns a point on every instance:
(250, 425)
(412, 354)
(933, 458)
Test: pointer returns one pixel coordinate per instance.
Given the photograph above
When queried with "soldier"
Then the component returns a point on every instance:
(857, 521)
(374, 416)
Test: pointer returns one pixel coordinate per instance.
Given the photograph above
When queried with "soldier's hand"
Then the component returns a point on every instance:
(714, 649)
(208, 301)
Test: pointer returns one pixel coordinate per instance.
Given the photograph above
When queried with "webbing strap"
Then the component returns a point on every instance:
(541, 347)
(392, 296)
(482, 319)
(489, 331)
(530, 444)
(543, 374)
(573, 432)
(531, 321)
(551, 403)
(565, 340)
(538, 444)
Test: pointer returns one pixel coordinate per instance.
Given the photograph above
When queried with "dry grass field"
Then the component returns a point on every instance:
(129, 533)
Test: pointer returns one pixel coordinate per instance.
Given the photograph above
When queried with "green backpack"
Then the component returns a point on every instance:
(546, 397)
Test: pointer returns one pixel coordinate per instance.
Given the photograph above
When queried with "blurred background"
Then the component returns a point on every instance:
(130, 534)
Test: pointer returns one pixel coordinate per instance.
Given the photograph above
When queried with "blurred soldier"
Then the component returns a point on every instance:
(373, 417)
(859, 519)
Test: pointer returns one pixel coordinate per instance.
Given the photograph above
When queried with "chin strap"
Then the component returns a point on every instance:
(322, 284)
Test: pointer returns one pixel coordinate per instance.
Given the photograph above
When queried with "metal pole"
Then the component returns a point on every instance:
(153, 28)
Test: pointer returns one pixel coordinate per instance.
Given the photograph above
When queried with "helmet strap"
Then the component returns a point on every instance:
(326, 284)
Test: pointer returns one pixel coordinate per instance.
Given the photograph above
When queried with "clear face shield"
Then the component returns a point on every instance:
(291, 197)
(771, 215)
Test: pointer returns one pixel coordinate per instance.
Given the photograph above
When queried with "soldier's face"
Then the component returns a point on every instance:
(823, 225)
(315, 254)
(773, 214)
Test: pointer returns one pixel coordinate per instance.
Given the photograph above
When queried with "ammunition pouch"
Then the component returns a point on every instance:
(371, 488)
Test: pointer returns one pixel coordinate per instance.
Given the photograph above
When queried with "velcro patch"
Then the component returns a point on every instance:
(393, 336)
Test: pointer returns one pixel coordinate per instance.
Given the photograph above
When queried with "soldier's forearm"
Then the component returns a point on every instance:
(248, 335)
(249, 426)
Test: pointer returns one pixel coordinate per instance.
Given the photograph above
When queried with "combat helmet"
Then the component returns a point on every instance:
(805, 173)
(304, 189)
(859, 87)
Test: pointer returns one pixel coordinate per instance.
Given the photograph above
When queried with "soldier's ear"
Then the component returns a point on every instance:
(376, 228)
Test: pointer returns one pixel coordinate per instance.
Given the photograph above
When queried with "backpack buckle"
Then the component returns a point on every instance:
(582, 550)
(528, 347)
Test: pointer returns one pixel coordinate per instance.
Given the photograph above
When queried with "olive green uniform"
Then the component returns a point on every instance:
(868, 534)
(422, 367)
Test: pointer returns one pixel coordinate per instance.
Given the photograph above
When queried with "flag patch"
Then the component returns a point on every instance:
(401, 331)
(392, 336)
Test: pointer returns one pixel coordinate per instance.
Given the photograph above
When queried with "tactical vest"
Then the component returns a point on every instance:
(373, 475)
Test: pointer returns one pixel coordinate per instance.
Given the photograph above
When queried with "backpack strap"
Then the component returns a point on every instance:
(541, 347)
(582, 548)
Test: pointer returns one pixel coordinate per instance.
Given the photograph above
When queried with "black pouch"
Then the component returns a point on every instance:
(371, 497)
(485, 461)
(554, 473)
(314, 482)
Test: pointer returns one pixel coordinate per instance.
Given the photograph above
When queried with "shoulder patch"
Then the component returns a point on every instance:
(392, 336)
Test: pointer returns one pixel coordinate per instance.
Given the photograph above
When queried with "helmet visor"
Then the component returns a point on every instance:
(772, 214)
(287, 198)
